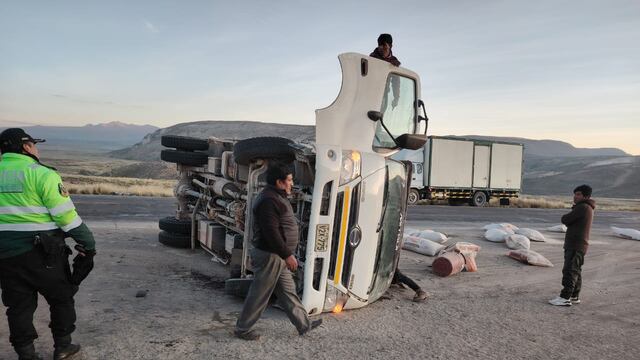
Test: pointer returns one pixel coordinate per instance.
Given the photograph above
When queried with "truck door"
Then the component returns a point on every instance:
(481, 166)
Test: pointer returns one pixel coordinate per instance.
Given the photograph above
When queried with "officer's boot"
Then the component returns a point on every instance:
(27, 352)
(64, 349)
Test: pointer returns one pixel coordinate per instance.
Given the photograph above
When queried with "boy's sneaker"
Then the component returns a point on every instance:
(575, 300)
(560, 301)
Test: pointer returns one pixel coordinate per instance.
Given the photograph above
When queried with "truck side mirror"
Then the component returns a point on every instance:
(411, 141)
(374, 115)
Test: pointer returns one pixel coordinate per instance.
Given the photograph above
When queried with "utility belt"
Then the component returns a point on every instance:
(52, 244)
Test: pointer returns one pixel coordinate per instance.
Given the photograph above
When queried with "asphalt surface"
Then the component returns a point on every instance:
(140, 209)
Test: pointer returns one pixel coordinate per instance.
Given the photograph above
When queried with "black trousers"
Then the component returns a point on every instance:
(400, 278)
(572, 273)
(22, 277)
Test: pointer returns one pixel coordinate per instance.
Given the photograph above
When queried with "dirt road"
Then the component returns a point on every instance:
(500, 312)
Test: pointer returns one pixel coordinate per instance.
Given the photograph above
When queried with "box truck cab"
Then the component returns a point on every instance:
(349, 195)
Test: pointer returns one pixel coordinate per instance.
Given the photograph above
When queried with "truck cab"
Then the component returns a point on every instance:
(350, 196)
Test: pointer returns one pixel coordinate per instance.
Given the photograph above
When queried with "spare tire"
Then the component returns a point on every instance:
(184, 157)
(173, 225)
(181, 241)
(184, 142)
(246, 151)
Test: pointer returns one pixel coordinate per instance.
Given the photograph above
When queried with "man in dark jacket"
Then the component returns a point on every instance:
(576, 242)
(383, 51)
(275, 240)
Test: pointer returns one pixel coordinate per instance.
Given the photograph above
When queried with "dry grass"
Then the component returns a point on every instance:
(103, 185)
(532, 202)
(565, 202)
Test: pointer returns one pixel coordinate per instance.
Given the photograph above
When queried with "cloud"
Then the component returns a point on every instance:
(150, 27)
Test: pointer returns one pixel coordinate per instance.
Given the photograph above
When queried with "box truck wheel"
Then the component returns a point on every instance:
(184, 157)
(479, 199)
(248, 150)
(184, 142)
(414, 196)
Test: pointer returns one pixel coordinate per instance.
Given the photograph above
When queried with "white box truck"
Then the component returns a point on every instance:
(349, 196)
(464, 170)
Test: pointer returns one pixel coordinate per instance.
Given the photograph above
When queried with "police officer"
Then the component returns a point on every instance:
(36, 214)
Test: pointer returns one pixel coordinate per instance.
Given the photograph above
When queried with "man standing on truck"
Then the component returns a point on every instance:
(383, 51)
(275, 240)
(36, 215)
(576, 242)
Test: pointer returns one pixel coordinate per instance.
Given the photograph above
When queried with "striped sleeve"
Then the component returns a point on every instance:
(57, 201)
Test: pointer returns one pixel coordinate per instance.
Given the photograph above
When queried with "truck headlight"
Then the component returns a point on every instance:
(334, 300)
(350, 168)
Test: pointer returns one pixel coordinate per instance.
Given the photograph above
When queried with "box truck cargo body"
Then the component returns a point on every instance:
(464, 170)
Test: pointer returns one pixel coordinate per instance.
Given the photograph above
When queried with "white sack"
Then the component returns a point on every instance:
(431, 235)
(421, 246)
(516, 242)
(495, 235)
(626, 233)
(529, 257)
(558, 228)
(533, 235)
(508, 228)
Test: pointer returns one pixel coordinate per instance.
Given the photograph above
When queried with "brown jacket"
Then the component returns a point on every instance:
(578, 223)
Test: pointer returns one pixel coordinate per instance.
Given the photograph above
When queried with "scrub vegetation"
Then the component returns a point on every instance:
(104, 185)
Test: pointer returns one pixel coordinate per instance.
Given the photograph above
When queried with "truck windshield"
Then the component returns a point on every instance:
(389, 236)
(398, 109)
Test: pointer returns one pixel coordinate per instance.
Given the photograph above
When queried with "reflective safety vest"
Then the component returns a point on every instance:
(32, 197)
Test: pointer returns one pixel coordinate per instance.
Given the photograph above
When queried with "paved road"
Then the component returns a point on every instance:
(134, 208)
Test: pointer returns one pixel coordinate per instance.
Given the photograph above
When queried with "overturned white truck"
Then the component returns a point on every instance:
(349, 196)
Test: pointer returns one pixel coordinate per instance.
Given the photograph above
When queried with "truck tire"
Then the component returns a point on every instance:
(184, 157)
(173, 225)
(184, 142)
(246, 151)
(414, 196)
(180, 241)
(238, 286)
(479, 199)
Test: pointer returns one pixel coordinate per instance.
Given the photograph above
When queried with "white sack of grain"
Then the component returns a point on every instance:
(533, 235)
(516, 242)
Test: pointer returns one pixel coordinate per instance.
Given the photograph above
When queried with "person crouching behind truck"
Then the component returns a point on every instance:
(576, 242)
(275, 240)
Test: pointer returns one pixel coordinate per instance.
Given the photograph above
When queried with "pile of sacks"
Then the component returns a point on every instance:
(519, 241)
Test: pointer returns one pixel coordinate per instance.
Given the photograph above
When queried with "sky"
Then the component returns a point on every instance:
(563, 70)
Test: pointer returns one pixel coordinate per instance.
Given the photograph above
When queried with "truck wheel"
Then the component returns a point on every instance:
(479, 199)
(246, 151)
(237, 287)
(184, 142)
(181, 241)
(414, 196)
(184, 157)
(173, 225)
